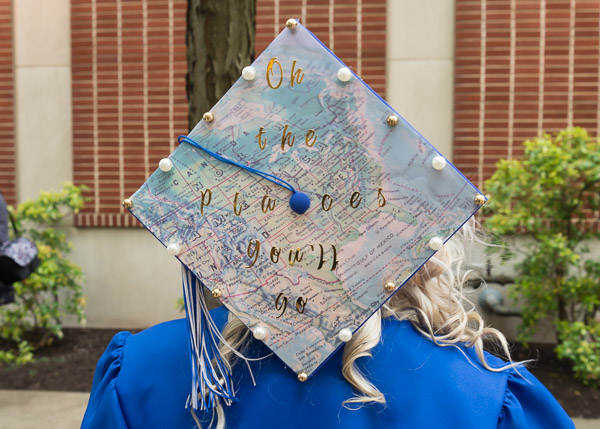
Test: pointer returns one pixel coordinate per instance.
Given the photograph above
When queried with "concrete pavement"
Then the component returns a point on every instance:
(587, 423)
(31, 409)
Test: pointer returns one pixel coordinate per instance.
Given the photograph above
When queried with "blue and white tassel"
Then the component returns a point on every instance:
(211, 373)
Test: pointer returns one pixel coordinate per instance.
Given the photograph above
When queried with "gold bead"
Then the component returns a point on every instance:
(208, 117)
(479, 200)
(392, 120)
(302, 377)
(127, 203)
(291, 23)
(217, 292)
(390, 287)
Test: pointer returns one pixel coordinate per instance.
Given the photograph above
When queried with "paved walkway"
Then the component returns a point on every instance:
(587, 424)
(30, 409)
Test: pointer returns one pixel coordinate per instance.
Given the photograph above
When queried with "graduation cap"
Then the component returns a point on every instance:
(302, 201)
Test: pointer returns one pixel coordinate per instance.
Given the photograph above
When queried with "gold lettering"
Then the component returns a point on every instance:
(326, 198)
(295, 256)
(380, 197)
(281, 304)
(205, 197)
(297, 75)
(335, 262)
(237, 210)
(287, 138)
(311, 138)
(267, 204)
(275, 252)
(321, 259)
(355, 199)
(253, 251)
(270, 71)
(301, 304)
(261, 143)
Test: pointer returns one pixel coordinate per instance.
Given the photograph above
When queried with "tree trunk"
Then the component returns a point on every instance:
(220, 43)
(562, 309)
(561, 273)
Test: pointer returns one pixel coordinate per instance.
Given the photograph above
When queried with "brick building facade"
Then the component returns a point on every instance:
(94, 91)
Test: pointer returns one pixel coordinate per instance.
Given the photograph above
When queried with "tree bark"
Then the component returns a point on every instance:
(220, 43)
(561, 273)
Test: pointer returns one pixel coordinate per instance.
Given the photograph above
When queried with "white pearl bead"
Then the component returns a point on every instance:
(173, 248)
(344, 74)
(438, 162)
(345, 335)
(249, 73)
(165, 164)
(260, 333)
(436, 243)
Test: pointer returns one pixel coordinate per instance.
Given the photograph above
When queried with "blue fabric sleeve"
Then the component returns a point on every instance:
(528, 404)
(104, 408)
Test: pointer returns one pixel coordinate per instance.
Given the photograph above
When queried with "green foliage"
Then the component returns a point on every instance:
(580, 343)
(545, 195)
(21, 356)
(54, 290)
(180, 304)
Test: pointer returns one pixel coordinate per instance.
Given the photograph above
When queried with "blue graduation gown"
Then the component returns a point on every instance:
(143, 380)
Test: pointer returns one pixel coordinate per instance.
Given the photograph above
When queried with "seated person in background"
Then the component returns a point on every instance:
(7, 292)
(418, 362)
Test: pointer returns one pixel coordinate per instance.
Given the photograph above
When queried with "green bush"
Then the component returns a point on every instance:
(580, 343)
(547, 195)
(54, 290)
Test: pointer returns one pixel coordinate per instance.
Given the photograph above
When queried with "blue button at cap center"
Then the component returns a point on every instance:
(299, 202)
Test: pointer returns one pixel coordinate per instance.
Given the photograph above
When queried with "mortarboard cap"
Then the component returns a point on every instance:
(303, 201)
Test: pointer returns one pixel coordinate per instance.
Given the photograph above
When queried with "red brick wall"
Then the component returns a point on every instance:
(354, 30)
(129, 101)
(522, 67)
(7, 117)
(128, 69)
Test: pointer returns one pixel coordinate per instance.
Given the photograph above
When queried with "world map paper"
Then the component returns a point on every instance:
(376, 201)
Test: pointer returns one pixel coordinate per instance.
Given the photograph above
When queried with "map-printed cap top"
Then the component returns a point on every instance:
(302, 201)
